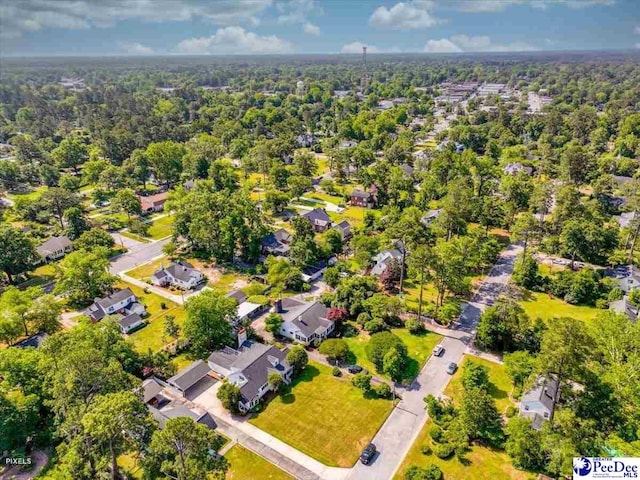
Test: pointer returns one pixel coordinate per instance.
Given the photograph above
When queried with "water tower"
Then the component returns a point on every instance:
(300, 88)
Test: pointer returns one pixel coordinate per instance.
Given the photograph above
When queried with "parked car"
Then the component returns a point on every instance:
(354, 369)
(438, 350)
(451, 369)
(367, 454)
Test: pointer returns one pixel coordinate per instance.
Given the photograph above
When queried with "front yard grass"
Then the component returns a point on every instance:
(324, 416)
(161, 227)
(540, 305)
(480, 462)
(419, 348)
(246, 465)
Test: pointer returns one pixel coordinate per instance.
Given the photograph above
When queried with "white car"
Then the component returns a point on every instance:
(438, 350)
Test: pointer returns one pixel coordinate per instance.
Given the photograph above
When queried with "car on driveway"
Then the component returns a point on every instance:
(451, 369)
(354, 369)
(438, 350)
(367, 454)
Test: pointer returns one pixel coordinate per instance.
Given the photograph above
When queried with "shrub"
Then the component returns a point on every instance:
(512, 410)
(336, 372)
(414, 326)
(383, 390)
(163, 305)
(375, 325)
(443, 450)
(363, 318)
(429, 472)
(335, 349)
(380, 343)
(229, 394)
(362, 381)
(426, 449)
(436, 433)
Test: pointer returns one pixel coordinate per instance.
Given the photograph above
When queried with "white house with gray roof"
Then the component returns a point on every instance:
(54, 248)
(249, 367)
(303, 322)
(179, 274)
(383, 259)
(539, 402)
(119, 304)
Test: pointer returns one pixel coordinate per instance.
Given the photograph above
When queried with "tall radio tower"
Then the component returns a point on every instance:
(364, 80)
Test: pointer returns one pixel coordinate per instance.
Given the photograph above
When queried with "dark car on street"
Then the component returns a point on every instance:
(354, 369)
(367, 454)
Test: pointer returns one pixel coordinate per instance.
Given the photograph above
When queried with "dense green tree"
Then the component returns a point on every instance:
(84, 275)
(207, 324)
(17, 254)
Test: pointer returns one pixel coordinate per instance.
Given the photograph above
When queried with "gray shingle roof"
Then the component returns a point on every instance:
(238, 295)
(129, 320)
(544, 391)
(115, 297)
(54, 244)
(309, 317)
(317, 216)
(190, 375)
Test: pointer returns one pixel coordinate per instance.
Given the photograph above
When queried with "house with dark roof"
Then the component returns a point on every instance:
(344, 228)
(305, 140)
(303, 322)
(179, 274)
(163, 408)
(153, 203)
(54, 248)
(277, 243)
(249, 367)
(130, 323)
(539, 402)
(319, 219)
(627, 276)
(120, 303)
(360, 198)
(189, 377)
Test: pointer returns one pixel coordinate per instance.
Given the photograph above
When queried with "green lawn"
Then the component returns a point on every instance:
(540, 305)
(246, 465)
(40, 276)
(161, 227)
(501, 384)
(143, 272)
(418, 346)
(133, 236)
(33, 194)
(150, 337)
(480, 462)
(324, 416)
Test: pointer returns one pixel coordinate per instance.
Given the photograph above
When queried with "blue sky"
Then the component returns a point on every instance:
(228, 27)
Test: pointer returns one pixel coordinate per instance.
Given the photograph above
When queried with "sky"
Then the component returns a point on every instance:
(232, 27)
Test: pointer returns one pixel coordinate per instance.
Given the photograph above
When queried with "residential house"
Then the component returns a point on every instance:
(407, 169)
(304, 322)
(179, 274)
(249, 367)
(430, 217)
(246, 310)
(153, 203)
(319, 219)
(385, 105)
(383, 259)
(121, 303)
(277, 243)
(344, 228)
(314, 272)
(130, 323)
(305, 140)
(624, 306)
(628, 277)
(539, 402)
(516, 167)
(363, 199)
(189, 377)
(347, 144)
(163, 408)
(33, 341)
(54, 248)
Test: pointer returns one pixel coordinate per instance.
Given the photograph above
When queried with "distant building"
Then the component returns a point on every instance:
(407, 169)
(625, 307)
(33, 341)
(539, 403)
(249, 367)
(303, 322)
(385, 105)
(347, 144)
(360, 198)
(430, 217)
(305, 140)
(179, 274)
(344, 228)
(153, 203)
(277, 243)
(54, 248)
(516, 167)
(383, 259)
(314, 272)
(628, 277)
(119, 304)
(319, 219)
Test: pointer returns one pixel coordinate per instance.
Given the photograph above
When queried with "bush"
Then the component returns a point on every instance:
(163, 305)
(512, 410)
(414, 326)
(426, 449)
(335, 349)
(602, 304)
(443, 450)
(375, 325)
(380, 343)
(363, 318)
(336, 372)
(436, 433)
(362, 381)
(383, 390)
(429, 472)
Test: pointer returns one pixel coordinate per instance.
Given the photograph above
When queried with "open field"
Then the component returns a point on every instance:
(246, 465)
(161, 227)
(324, 416)
(418, 346)
(540, 305)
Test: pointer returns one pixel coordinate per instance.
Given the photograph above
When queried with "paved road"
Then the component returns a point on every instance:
(401, 429)
(138, 253)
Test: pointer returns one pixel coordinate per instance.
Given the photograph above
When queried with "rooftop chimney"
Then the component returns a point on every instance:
(278, 305)
(242, 337)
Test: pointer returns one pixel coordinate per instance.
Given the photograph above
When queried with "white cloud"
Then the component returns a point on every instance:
(136, 48)
(235, 41)
(356, 47)
(19, 16)
(295, 11)
(444, 45)
(465, 43)
(636, 29)
(404, 16)
(311, 29)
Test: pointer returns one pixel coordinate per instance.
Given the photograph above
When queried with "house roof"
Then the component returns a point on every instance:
(151, 201)
(151, 388)
(282, 235)
(190, 375)
(407, 169)
(54, 244)
(545, 391)
(182, 271)
(116, 297)
(360, 194)
(247, 308)
(625, 306)
(130, 320)
(252, 362)
(33, 341)
(238, 295)
(344, 226)
(317, 216)
(309, 317)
